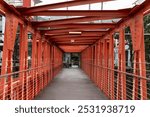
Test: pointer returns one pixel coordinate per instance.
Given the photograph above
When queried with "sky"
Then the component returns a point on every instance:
(113, 5)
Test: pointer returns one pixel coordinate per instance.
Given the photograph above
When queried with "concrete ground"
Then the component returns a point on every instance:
(71, 84)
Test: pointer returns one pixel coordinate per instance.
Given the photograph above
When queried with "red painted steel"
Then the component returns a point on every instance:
(70, 20)
(95, 43)
(82, 25)
(73, 48)
(103, 13)
(26, 3)
(76, 38)
(83, 33)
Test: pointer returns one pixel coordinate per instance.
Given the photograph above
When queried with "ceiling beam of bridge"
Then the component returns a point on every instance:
(71, 30)
(77, 25)
(83, 33)
(103, 13)
(59, 5)
(83, 25)
(70, 36)
(75, 38)
(71, 20)
(69, 40)
(76, 43)
(73, 48)
(93, 33)
(76, 35)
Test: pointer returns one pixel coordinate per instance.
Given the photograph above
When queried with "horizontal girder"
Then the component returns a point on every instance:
(102, 13)
(58, 5)
(83, 25)
(70, 20)
(79, 37)
(83, 33)
(73, 48)
(67, 30)
(76, 43)
(79, 27)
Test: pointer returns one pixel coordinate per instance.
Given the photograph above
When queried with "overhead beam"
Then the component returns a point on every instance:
(70, 20)
(102, 13)
(58, 5)
(93, 33)
(74, 44)
(75, 38)
(91, 40)
(82, 25)
(78, 39)
(73, 48)
(67, 30)
(70, 36)
(65, 43)
(83, 33)
(80, 28)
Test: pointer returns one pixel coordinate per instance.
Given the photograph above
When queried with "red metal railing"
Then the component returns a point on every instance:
(110, 81)
(26, 84)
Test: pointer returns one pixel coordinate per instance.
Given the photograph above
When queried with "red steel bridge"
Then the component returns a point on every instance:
(32, 49)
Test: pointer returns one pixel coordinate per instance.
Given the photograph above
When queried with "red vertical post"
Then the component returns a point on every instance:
(39, 53)
(51, 66)
(122, 64)
(95, 63)
(46, 53)
(92, 51)
(109, 66)
(102, 66)
(90, 62)
(52, 59)
(49, 61)
(142, 65)
(98, 68)
(23, 62)
(106, 66)
(137, 30)
(111, 63)
(121, 80)
(10, 80)
(43, 63)
(9, 39)
(33, 64)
